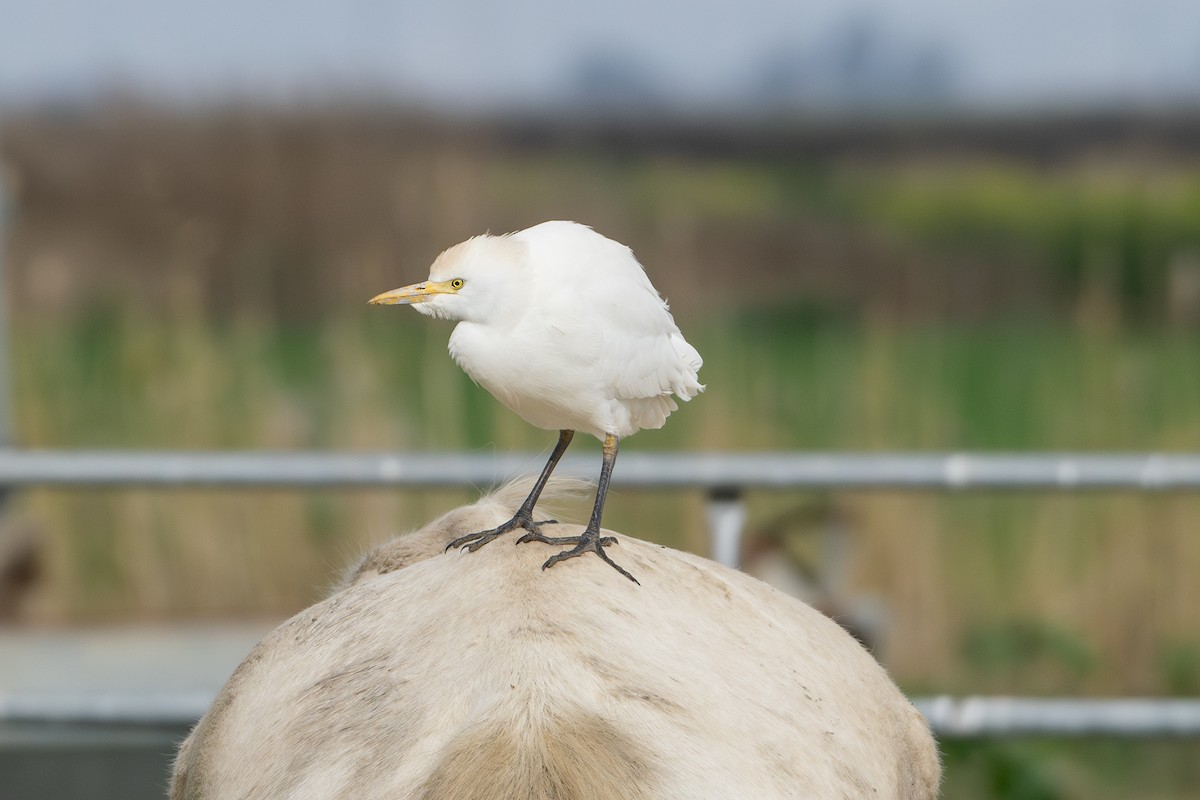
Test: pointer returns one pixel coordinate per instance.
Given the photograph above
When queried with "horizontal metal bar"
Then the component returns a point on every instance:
(709, 471)
(105, 707)
(950, 717)
(965, 717)
(90, 736)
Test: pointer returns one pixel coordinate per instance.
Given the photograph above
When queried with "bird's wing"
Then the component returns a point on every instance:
(644, 354)
(640, 352)
(617, 319)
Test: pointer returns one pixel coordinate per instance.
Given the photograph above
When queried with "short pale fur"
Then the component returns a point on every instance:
(480, 676)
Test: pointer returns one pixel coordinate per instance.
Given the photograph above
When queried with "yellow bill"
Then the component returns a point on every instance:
(416, 293)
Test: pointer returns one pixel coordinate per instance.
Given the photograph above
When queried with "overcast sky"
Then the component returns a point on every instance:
(471, 54)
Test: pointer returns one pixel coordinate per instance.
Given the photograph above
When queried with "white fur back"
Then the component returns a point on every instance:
(464, 676)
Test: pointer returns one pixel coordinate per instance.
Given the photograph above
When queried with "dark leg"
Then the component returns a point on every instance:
(590, 540)
(524, 515)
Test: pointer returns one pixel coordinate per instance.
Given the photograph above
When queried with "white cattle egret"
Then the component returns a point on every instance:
(563, 327)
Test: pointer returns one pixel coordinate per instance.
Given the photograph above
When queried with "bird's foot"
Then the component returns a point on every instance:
(590, 541)
(523, 520)
(538, 536)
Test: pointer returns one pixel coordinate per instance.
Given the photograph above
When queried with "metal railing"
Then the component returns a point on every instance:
(950, 717)
(965, 717)
(713, 472)
(723, 476)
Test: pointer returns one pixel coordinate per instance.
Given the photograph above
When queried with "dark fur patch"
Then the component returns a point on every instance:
(579, 757)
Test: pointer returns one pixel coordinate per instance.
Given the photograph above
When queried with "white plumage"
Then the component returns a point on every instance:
(563, 327)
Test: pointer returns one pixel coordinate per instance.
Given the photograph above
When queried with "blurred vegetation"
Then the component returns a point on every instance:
(200, 283)
(1053, 769)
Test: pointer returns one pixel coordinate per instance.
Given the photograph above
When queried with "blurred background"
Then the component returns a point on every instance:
(891, 225)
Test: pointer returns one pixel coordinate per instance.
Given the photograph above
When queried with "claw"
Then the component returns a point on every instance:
(589, 541)
(474, 541)
(536, 536)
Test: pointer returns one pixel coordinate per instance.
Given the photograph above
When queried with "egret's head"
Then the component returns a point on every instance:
(473, 281)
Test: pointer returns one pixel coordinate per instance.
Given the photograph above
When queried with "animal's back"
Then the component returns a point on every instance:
(479, 675)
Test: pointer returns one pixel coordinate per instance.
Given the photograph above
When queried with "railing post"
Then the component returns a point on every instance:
(726, 518)
(6, 437)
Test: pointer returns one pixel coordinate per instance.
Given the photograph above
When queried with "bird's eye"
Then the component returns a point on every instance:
(457, 283)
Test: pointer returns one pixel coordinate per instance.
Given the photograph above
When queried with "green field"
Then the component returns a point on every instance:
(997, 590)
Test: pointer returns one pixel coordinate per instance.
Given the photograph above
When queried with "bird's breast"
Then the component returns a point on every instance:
(546, 376)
